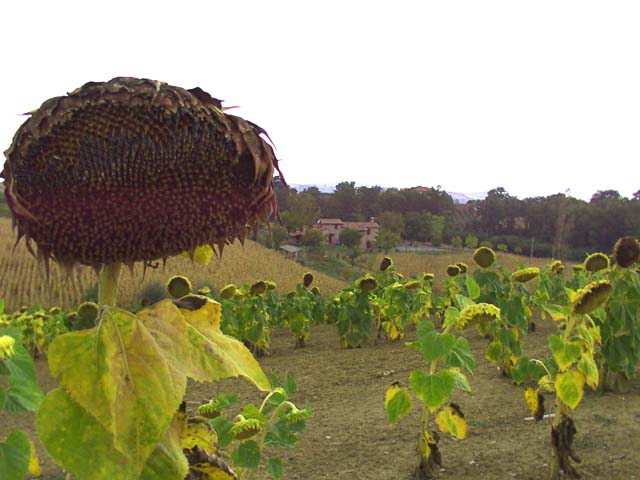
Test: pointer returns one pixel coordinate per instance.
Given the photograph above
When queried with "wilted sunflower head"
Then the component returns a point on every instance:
(462, 267)
(428, 277)
(590, 297)
(555, 266)
(525, 274)
(484, 257)
(135, 170)
(244, 428)
(578, 268)
(307, 279)
(595, 262)
(258, 288)
(178, 286)
(453, 270)
(367, 283)
(271, 285)
(412, 285)
(386, 263)
(228, 291)
(626, 251)
(477, 314)
(315, 290)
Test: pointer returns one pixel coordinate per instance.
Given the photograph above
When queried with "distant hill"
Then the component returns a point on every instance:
(457, 197)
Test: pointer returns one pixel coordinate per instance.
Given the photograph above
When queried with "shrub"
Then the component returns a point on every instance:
(456, 242)
(471, 241)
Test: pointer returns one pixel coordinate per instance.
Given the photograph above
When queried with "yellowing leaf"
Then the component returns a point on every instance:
(120, 374)
(215, 355)
(34, 462)
(535, 402)
(588, 367)
(570, 387)
(397, 402)
(198, 432)
(450, 420)
(564, 352)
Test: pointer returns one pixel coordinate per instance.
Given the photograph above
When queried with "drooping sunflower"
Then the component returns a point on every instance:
(135, 170)
(556, 266)
(525, 274)
(626, 251)
(484, 257)
(453, 270)
(386, 263)
(596, 262)
(590, 297)
(462, 267)
(480, 313)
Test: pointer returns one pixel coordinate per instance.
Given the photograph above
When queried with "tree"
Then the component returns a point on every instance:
(351, 240)
(387, 240)
(416, 226)
(303, 210)
(313, 238)
(391, 221)
(278, 235)
(343, 203)
(437, 230)
(602, 195)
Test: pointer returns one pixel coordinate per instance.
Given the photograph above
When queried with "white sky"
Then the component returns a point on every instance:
(536, 97)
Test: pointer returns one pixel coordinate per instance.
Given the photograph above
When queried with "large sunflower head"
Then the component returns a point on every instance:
(590, 297)
(626, 251)
(135, 170)
(484, 257)
(596, 262)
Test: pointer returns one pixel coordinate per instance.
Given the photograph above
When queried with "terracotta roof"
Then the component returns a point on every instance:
(361, 225)
(329, 220)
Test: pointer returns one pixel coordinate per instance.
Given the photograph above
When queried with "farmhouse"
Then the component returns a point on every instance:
(331, 228)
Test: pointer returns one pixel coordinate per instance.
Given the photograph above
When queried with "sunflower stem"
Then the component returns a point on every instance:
(108, 283)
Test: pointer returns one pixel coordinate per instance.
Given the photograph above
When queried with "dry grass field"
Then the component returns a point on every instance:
(23, 279)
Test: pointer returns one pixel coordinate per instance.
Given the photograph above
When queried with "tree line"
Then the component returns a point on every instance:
(557, 225)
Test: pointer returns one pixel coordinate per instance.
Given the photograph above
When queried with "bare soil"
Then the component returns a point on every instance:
(348, 436)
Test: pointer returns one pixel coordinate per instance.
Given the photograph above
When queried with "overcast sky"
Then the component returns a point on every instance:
(536, 97)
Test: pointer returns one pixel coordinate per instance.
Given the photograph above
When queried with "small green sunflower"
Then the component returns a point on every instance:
(258, 288)
(228, 291)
